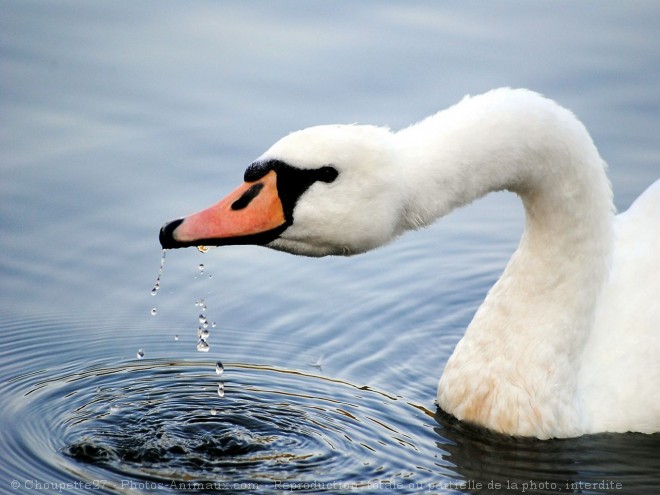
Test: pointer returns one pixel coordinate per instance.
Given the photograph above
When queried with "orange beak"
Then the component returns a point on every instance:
(251, 214)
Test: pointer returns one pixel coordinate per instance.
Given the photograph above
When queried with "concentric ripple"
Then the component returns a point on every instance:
(75, 421)
(161, 425)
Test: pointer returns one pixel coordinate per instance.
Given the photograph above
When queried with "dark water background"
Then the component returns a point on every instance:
(118, 116)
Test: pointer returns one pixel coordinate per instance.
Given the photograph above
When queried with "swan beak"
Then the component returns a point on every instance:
(251, 214)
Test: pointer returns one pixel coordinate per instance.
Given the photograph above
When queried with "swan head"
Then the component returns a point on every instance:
(325, 190)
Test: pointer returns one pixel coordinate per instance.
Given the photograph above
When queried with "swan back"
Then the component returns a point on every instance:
(620, 369)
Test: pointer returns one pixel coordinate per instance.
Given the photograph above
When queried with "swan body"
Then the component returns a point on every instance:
(567, 341)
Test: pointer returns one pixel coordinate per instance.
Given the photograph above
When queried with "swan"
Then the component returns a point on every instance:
(567, 341)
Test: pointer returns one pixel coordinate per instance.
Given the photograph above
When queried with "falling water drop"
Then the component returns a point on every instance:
(219, 368)
(203, 333)
(176, 337)
(203, 345)
(221, 389)
(214, 412)
(140, 354)
(201, 268)
(153, 311)
(154, 291)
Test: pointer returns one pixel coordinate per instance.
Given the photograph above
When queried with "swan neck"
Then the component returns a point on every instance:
(515, 369)
(520, 142)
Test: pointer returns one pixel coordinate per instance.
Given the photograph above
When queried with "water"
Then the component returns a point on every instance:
(203, 344)
(117, 118)
(154, 291)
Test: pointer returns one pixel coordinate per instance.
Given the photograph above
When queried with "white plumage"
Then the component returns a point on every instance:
(567, 342)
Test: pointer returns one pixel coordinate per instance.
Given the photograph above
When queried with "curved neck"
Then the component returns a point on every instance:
(524, 342)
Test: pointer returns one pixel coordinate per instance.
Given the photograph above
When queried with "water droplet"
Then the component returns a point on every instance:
(201, 268)
(153, 311)
(176, 337)
(140, 354)
(212, 324)
(202, 249)
(202, 318)
(204, 334)
(219, 368)
(221, 389)
(160, 274)
(214, 412)
(203, 345)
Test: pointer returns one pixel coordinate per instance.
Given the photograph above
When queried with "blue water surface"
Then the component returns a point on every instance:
(119, 116)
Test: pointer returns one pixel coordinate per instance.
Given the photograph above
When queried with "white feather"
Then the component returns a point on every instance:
(567, 341)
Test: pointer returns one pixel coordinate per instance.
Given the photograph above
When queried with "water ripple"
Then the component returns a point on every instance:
(162, 422)
(72, 416)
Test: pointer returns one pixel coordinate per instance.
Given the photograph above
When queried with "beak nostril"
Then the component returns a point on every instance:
(247, 197)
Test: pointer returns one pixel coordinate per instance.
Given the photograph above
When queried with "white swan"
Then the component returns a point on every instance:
(567, 341)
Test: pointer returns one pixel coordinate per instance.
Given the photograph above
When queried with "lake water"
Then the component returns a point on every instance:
(117, 117)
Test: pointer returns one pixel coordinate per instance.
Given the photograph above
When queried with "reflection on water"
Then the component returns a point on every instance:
(120, 116)
(589, 464)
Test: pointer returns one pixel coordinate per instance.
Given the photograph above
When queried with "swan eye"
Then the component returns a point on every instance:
(327, 174)
(247, 196)
(292, 182)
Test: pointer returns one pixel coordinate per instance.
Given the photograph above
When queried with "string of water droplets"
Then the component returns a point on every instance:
(154, 291)
(203, 332)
